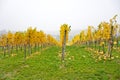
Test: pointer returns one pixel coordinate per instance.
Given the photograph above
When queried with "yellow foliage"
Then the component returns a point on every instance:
(64, 28)
(112, 57)
(115, 42)
(101, 52)
(102, 43)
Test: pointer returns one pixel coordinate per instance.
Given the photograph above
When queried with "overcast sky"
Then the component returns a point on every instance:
(48, 15)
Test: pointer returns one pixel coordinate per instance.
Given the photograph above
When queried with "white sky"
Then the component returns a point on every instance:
(48, 15)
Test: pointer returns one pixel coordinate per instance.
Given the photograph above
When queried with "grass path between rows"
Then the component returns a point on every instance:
(78, 65)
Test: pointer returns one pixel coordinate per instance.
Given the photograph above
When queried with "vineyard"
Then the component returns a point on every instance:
(93, 54)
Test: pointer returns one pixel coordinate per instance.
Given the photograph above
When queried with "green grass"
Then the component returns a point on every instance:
(78, 65)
